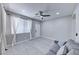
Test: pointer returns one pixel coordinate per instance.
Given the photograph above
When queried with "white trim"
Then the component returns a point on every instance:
(48, 37)
(36, 38)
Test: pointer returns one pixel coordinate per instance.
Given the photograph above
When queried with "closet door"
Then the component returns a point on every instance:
(37, 29)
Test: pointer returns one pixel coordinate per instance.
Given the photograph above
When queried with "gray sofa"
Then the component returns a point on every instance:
(69, 47)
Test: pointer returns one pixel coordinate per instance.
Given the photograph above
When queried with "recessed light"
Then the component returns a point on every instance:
(23, 10)
(57, 13)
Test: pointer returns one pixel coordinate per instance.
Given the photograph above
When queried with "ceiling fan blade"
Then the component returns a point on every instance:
(45, 15)
(41, 13)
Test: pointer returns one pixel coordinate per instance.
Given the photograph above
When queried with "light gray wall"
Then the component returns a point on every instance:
(60, 29)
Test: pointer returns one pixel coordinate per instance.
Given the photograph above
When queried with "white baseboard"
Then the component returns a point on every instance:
(48, 37)
(35, 38)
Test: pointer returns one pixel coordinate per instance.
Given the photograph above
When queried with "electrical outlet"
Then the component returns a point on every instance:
(76, 34)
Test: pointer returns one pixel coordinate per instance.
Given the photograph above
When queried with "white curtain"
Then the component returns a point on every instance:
(20, 25)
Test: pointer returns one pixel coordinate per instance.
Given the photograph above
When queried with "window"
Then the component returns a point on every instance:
(20, 25)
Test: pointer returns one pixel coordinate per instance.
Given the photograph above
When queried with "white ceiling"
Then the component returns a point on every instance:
(30, 9)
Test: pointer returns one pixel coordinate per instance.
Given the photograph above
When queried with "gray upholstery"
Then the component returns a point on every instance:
(73, 52)
(71, 44)
(62, 51)
(70, 48)
(54, 48)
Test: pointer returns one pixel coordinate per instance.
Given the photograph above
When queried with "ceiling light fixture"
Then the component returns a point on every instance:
(57, 13)
(23, 10)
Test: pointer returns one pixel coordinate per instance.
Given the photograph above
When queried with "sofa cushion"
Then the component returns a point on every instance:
(62, 51)
(55, 47)
(64, 43)
(73, 52)
(71, 44)
(74, 46)
(70, 41)
(56, 41)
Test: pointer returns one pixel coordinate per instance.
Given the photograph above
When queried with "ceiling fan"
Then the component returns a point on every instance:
(42, 14)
